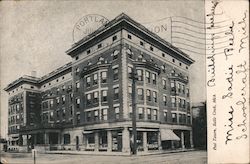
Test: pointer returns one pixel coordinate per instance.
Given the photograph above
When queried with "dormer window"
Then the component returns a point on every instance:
(88, 51)
(129, 36)
(99, 46)
(151, 48)
(141, 43)
(114, 38)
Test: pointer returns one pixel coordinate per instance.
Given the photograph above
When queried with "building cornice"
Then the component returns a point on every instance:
(125, 22)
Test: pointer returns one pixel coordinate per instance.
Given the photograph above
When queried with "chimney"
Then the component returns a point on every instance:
(33, 73)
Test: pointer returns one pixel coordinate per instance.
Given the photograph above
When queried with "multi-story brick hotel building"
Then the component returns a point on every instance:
(86, 105)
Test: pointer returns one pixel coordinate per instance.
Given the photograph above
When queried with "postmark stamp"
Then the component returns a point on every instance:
(86, 25)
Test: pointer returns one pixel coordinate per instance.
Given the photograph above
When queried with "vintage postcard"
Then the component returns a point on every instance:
(124, 82)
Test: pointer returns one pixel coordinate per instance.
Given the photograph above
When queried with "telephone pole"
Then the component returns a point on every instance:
(134, 131)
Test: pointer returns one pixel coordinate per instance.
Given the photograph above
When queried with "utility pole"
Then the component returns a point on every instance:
(134, 78)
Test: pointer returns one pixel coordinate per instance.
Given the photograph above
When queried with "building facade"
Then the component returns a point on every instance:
(86, 105)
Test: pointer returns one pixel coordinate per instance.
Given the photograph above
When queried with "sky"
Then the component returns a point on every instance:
(34, 35)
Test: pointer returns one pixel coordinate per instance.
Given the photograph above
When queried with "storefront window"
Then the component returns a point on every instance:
(152, 138)
(103, 142)
(90, 141)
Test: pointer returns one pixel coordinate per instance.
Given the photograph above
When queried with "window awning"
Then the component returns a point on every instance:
(167, 134)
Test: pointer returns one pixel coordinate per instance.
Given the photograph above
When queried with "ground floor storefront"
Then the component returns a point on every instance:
(103, 138)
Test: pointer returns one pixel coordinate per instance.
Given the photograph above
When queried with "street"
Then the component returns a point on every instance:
(191, 157)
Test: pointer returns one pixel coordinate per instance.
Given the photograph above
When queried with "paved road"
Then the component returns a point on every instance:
(194, 157)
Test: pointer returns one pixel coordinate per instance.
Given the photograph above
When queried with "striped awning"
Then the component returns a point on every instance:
(168, 134)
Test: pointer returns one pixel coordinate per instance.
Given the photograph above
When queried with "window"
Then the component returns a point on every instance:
(149, 113)
(77, 102)
(186, 67)
(130, 91)
(78, 118)
(165, 100)
(96, 97)
(88, 116)
(114, 38)
(66, 138)
(187, 92)
(180, 64)
(174, 118)
(130, 71)
(116, 93)
(88, 51)
(64, 113)
(140, 93)
(77, 57)
(99, 46)
(188, 107)
(77, 86)
(140, 75)
(173, 101)
(71, 96)
(165, 116)
(77, 70)
(57, 100)
(184, 103)
(155, 116)
(88, 99)
(117, 112)
(129, 36)
(58, 90)
(179, 87)
(104, 77)
(115, 54)
(183, 89)
(104, 96)
(141, 43)
(148, 95)
(96, 115)
(57, 114)
(179, 102)
(154, 78)
(63, 99)
(148, 76)
(172, 84)
(164, 84)
(140, 113)
(51, 103)
(151, 48)
(163, 55)
(104, 115)
(88, 81)
(115, 74)
(173, 73)
(188, 119)
(130, 54)
(155, 96)
(130, 111)
(95, 80)
(173, 60)
(71, 110)
(63, 87)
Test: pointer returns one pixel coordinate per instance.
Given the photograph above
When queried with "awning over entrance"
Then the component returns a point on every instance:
(167, 134)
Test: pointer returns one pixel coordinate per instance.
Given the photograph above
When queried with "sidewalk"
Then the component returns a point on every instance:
(116, 153)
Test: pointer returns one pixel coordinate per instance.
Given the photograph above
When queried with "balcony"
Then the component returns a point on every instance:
(179, 77)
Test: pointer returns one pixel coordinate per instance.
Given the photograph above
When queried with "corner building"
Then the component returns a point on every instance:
(86, 105)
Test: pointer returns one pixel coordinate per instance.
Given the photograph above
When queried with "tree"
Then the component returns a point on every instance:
(200, 127)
